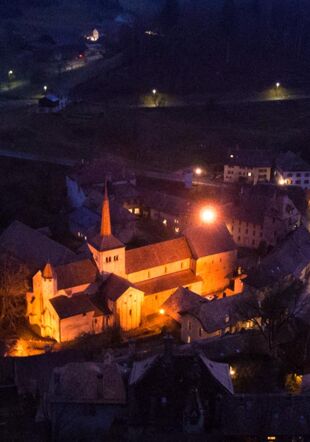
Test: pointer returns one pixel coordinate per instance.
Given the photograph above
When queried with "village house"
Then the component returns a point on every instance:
(176, 391)
(291, 169)
(289, 261)
(262, 215)
(85, 399)
(202, 318)
(113, 286)
(248, 166)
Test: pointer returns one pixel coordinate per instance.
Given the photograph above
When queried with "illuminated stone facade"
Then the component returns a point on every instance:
(121, 287)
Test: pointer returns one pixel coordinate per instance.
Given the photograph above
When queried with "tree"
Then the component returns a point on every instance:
(275, 313)
(13, 286)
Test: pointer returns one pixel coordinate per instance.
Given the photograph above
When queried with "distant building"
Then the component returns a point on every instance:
(201, 318)
(262, 215)
(52, 103)
(85, 399)
(292, 170)
(74, 294)
(248, 166)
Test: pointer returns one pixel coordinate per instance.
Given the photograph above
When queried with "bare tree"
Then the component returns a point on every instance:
(13, 286)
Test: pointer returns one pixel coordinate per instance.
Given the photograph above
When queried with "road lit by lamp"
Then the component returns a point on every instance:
(162, 311)
(208, 215)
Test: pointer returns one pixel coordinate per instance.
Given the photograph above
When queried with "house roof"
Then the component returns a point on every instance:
(157, 254)
(219, 371)
(75, 274)
(33, 248)
(113, 287)
(290, 162)
(103, 243)
(290, 257)
(209, 239)
(88, 382)
(219, 313)
(182, 300)
(77, 304)
(140, 368)
(166, 282)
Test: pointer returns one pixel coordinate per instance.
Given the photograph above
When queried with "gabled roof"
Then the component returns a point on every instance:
(290, 257)
(182, 300)
(140, 368)
(220, 313)
(33, 248)
(77, 304)
(157, 254)
(113, 288)
(219, 371)
(209, 239)
(75, 274)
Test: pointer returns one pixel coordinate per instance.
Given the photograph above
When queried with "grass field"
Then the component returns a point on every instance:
(167, 137)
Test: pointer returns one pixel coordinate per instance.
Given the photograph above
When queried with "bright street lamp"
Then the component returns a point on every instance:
(154, 91)
(45, 88)
(278, 85)
(198, 171)
(208, 215)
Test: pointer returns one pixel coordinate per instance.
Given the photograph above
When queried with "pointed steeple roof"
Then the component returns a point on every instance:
(105, 229)
(48, 272)
(105, 240)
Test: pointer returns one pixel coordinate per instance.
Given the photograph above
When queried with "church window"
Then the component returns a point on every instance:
(116, 258)
(108, 259)
(32, 299)
(130, 312)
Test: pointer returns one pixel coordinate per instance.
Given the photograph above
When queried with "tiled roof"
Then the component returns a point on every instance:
(209, 239)
(112, 288)
(182, 300)
(155, 255)
(220, 313)
(75, 305)
(290, 257)
(33, 248)
(88, 382)
(166, 282)
(103, 243)
(75, 274)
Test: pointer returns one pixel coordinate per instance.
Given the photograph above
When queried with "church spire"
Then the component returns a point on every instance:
(105, 217)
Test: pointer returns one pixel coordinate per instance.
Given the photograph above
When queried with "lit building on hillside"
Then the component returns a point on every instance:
(119, 287)
(248, 166)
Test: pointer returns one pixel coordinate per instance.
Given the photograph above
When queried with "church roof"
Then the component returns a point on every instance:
(32, 247)
(182, 300)
(209, 239)
(77, 304)
(103, 243)
(113, 288)
(166, 282)
(157, 254)
(75, 274)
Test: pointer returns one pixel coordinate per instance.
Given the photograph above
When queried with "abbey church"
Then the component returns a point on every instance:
(112, 286)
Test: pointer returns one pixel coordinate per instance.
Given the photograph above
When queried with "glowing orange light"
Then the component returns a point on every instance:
(198, 171)
(208, 215)
(162, 311)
